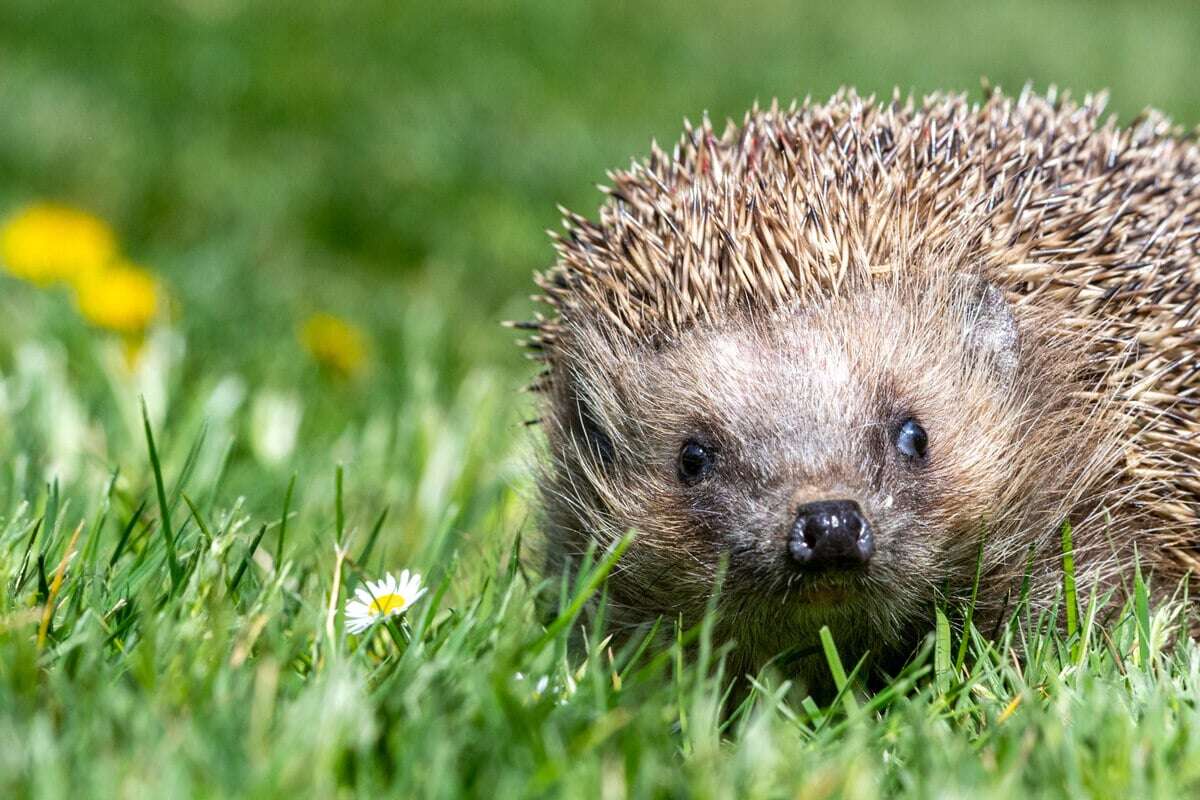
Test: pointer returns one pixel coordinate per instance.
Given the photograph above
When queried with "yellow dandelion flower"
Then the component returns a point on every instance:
(335, 344)
(45, 243)
(122, 298)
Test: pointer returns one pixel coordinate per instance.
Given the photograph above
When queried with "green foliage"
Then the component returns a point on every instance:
(234, 679)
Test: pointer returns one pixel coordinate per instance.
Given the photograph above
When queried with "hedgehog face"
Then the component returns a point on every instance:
(842, 460)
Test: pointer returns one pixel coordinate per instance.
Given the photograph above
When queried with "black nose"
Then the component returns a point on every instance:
(831, 533)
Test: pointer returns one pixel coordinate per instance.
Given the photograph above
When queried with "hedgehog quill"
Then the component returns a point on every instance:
(860, 351)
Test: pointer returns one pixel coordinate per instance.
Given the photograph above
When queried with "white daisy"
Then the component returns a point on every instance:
(381, 599)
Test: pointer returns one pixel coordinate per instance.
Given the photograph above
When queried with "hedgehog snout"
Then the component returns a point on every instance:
(831, 533)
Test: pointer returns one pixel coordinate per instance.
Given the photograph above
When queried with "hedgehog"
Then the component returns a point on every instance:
(848, 361)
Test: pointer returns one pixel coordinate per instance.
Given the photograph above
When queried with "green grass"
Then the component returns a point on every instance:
(225, 674)
(397, 165)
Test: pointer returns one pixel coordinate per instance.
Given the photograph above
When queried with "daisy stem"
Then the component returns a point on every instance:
(335, 591)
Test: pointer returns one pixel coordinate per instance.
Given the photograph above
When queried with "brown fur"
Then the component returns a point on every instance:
(790, 289)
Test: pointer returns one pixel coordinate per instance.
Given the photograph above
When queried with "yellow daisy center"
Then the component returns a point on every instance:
(387, 603)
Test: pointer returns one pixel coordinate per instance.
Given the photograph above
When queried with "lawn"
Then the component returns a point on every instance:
(288, 378)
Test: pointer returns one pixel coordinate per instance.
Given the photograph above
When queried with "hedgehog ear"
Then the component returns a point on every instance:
(989, 325)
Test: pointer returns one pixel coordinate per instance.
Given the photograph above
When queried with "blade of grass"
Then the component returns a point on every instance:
(163, 507)
(93, 542)
(237, 577)
(283, 520)
(20, 581)
(1085, 633)
(189, 464)
(50, 514)
(55, 587)
(845, 696)
(339, 506)
(370, 545)
(836, 669)
(969, 620)
(196, 515)
(581, 597)
(1068, 556)
(643, 643)
(218, 480)
(815, 716)
(680, 705)
(125, 532)
(1141, 607)
(43, 587)
(942, 669)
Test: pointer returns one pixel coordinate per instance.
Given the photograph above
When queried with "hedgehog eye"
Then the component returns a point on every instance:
(911, 439)
(695, 462)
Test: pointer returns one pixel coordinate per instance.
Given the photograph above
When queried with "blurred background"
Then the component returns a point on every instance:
(337, 202)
